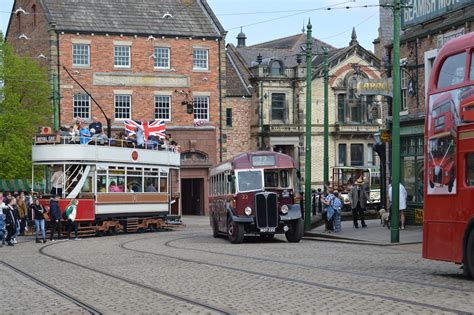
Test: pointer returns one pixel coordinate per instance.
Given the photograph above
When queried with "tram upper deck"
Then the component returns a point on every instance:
(114, 151)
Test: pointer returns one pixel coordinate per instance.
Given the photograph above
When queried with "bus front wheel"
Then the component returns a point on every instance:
(469, 259)
(295, 234)
(235, 231)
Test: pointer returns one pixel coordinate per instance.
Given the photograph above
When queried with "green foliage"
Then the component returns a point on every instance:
(24, 106)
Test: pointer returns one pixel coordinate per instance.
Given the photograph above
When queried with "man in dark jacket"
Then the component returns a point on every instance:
(55, 212)
(10, 221)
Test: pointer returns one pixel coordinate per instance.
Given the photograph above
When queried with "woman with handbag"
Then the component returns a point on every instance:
(39, 213)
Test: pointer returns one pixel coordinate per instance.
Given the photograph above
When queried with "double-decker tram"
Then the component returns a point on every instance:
(448, 231)
(255, 193)
(119, 188)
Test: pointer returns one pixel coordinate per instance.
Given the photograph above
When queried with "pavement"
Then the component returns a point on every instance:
(373, 234)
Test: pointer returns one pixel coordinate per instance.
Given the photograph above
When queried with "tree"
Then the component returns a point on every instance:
(24, 106)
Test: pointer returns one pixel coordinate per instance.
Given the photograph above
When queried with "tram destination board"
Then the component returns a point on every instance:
(46, 139)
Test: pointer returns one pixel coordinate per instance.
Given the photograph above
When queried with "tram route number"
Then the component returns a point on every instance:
(267, 230)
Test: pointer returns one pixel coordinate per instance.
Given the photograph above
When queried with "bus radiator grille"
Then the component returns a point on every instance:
(266, 210)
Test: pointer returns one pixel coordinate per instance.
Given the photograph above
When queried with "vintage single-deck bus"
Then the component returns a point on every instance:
(448, 231)
(254, 193)
(119, 187)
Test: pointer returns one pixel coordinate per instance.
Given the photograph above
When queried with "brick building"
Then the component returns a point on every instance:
(423, 34)
(139, 60)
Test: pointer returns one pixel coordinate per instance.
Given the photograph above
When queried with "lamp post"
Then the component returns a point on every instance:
(394, 232)
(260, 120)
(326, 118)
(309, 64)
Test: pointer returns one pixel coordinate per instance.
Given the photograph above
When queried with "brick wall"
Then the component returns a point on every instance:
(35, 27)
(238, 136)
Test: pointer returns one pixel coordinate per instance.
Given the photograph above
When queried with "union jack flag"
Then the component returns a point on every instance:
(154, 127)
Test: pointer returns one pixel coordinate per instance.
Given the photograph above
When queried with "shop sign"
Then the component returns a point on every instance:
(375, 87)
(419, 216)
(419, 11)
(385, 135)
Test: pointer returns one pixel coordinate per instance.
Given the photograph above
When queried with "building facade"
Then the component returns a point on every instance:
(423, 34)
(161, 55)
(275, 74)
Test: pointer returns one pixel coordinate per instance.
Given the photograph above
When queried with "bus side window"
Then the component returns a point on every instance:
(471, 71)
(470, 169)
(452, 71)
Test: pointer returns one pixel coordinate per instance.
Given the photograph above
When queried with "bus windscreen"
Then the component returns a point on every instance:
(250, 180)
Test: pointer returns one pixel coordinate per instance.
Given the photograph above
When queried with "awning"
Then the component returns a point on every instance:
(19, 185)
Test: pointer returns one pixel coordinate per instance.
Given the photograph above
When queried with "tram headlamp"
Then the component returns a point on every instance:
(284, 209)
(248, 210)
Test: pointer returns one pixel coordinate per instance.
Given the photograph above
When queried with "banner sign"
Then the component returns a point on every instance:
(375, 87)
(419, 11)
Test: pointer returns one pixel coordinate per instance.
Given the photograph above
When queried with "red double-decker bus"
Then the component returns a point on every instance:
(448, 231)
(255, 193)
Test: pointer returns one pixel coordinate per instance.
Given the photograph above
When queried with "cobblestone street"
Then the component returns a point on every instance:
(189, 271)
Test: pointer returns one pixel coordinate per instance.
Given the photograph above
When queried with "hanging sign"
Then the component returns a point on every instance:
(375, 87)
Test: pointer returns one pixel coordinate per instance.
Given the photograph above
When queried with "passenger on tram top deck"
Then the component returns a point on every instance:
(96, 125)
(151, 187)
(85, 134)
(114, 188)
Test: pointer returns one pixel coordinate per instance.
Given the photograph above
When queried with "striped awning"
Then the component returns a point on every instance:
(19, 185)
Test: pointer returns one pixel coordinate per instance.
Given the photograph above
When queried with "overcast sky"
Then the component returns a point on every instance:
(332, 26)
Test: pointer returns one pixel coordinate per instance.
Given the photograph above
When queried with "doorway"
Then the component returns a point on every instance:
(192, 193)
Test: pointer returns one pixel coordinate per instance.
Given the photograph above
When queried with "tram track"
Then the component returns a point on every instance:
(353, 273)
(83, 305)
(296, 281)
(177, 297)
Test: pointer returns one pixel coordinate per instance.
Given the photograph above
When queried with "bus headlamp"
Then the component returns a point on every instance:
(284, 209)
(248, 211)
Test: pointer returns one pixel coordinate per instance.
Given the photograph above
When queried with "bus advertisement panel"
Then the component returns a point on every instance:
(443, 120)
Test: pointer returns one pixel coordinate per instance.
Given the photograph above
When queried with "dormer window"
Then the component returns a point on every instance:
(276, 68)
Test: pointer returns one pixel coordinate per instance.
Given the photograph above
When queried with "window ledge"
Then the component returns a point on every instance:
(201, 70)
(404, 112)
(81, 67)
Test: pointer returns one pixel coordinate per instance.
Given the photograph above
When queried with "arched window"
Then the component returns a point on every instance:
(276, 68)
(351, 107)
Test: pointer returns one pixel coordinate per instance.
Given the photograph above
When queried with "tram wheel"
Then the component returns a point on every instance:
(295, 234)
(235, 232)
(469, 258)
(215, 227)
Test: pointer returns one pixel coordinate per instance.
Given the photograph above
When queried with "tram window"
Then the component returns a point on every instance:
(101, 183)
(116, 183)
(163, 184)
(87, 185)
(151, 184)
(271, 179)
(134, 184)
(284, 179)
(470, 169)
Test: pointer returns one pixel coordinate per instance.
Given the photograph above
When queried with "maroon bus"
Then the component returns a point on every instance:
(255, 193)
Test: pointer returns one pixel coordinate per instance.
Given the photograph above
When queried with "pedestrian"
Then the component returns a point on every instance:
(2, 227)
(39, 213)
(16, 215)
(358, 197)
(22, 212)
(10, 223)
(337, 206)
(328, 213)
(314, 200)
(55, 213)
(71, 212)
(402, 205)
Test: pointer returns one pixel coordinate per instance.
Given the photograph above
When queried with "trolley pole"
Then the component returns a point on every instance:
(262, 147)
(395, 221)
(55, 102)
(307, 178)
(326, 118)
